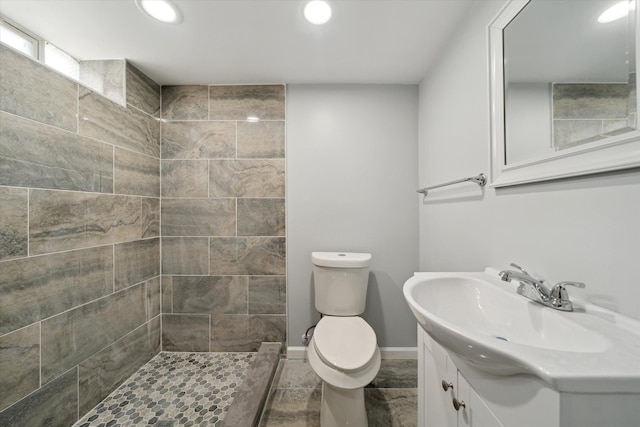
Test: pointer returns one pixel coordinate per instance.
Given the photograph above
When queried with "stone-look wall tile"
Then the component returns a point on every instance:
(20, 361)
(590, 101)
(185, 102)
(60, 220)
(153, 298)
(71, 337)
(266, 328)
(150, 217)
(129, 128)
(166, 283)
(261, 217)
(198, 217)
(267, 102)
(135, 262)
(13, 222)
(246, 178)
(37, 155)
(55, 404)
(267, 295)
(185, 255)
(247, 255)
(210, 294)
(32, 289)
(185, 332)
(29, 89)
(106, 77)
(136, 174)
(261, 140)
(238, 332)
(198, 140)
(113, 219)
(103, 372)
(142, 92)
(57, 221)
(185, 178)
(229, 332)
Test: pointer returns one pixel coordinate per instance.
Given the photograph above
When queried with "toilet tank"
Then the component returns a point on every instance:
(340, 281)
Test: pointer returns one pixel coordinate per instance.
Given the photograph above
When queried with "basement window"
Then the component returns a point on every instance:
(39, 49)
(60, 60)
(18, 39)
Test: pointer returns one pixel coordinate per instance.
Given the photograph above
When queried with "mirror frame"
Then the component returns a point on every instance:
(615, 153)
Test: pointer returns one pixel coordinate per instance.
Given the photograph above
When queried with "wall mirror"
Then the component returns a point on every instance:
(563, 89)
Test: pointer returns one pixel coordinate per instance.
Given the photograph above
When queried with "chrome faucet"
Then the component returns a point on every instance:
(535, 289)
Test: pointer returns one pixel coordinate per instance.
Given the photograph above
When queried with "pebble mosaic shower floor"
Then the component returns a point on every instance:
(174, 389)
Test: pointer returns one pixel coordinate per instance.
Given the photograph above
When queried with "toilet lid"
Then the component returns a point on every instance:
(345, 343)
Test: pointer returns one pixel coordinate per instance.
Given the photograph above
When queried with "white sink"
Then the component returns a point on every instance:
(485, 323)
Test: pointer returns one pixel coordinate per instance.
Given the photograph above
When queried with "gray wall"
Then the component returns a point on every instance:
(351, 181)
(79, 240)
(584, 229)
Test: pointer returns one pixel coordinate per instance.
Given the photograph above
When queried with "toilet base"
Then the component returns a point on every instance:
(341, 408)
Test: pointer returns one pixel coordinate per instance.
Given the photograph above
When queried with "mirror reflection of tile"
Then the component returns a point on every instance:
(587, 112)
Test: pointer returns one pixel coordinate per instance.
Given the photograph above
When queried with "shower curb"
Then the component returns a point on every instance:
(250, 397)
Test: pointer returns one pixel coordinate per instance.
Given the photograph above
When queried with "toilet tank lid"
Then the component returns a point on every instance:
(340, 259)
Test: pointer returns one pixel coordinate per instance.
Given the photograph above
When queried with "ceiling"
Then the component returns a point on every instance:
(252, 41)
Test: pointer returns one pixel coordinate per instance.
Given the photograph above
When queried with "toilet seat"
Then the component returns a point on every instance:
(347, 344)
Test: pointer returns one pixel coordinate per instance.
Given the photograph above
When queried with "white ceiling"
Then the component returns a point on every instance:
(252, 41)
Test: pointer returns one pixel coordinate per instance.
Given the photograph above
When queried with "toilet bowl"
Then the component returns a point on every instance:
(343, 351)
(344, 354)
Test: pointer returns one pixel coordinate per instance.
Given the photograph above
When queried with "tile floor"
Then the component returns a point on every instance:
(294, 401)
(174, 389)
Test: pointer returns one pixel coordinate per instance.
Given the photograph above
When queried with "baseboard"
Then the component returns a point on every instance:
(399, 352)
(297, 352)
(386, 352)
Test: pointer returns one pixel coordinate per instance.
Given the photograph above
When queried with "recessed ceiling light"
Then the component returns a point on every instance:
(617, 11)
(162, 10)
(317, 12)
(253, 119)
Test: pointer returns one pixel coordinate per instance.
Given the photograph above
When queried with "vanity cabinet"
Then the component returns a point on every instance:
(516, 400)
(446, 398)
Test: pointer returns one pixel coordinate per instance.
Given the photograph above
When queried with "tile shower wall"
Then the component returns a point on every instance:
(223, 217)
(79, 240)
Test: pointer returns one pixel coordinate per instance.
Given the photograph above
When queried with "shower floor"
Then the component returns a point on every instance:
(174, 389)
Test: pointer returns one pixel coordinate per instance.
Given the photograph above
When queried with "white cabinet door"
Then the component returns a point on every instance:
(438, 367)
(436, 406)
(475, 412)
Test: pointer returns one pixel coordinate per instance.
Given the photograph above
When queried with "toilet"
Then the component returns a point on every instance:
(343, 351)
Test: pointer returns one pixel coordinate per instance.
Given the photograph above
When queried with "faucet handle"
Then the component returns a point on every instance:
(576, 284)
(560, 293)
(526, 273)
(514, 265)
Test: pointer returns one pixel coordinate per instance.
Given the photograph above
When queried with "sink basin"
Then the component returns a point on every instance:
(483, 322)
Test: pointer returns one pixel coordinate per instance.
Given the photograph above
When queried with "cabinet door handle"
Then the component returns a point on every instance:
(457, 404)
(446, 386)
